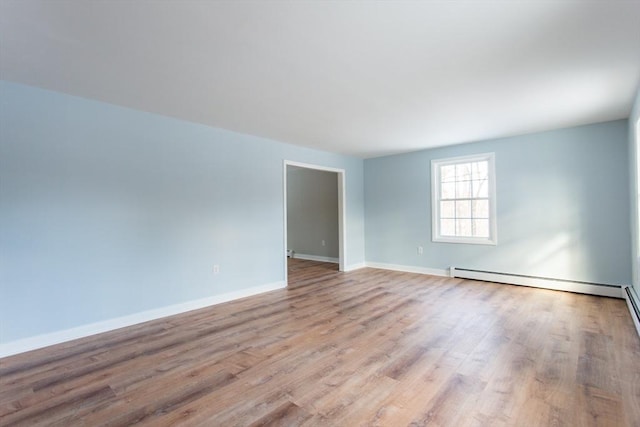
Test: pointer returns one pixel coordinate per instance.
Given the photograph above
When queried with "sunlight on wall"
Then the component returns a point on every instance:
(555, 253)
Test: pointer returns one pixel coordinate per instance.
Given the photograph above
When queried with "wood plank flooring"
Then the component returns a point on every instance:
(369, 347)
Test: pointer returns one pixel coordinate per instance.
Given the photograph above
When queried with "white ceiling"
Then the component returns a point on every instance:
(365, 78)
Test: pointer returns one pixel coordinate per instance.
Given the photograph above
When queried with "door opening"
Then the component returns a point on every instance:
(315, 227)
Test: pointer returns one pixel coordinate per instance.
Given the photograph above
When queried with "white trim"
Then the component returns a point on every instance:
(408, 269)
(342, 211)
(635, 211)
(342, 220)
(356, 266)
(535, 282)
(285, 242)
(464, 240)
(316, 258)
(634, 317)
(312, 166)
(435, 200)
(636, 188)
(45, 340)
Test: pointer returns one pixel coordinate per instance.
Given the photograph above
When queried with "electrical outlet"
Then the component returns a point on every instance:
(216, 269)
(420, 250)
(324, 243)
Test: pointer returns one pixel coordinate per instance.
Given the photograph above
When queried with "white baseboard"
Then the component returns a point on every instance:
(316, 258)
(538, 282)
(353, 267)
(632, 311)
(45, 340)
(408, 269)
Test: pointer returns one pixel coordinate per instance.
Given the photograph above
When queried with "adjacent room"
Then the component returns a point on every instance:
(303, 213)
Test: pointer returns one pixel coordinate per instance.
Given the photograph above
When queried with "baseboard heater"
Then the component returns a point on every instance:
(632, 302)
(539, 282)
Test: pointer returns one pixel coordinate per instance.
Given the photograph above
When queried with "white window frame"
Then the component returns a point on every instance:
(436, 164)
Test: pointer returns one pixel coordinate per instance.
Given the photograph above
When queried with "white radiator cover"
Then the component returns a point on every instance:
(614, 291)
(634, 306)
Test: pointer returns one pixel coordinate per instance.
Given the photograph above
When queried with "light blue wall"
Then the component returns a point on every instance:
(107, 211)
(562, 203)
(633, 118)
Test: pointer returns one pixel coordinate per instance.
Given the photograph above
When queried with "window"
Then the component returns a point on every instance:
(463, 200)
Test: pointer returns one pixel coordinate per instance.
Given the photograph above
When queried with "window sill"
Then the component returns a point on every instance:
(466, 240)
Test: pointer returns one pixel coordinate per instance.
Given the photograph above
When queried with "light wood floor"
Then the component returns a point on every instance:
(370, 347)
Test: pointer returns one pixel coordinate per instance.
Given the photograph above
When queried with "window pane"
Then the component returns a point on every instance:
(463, 227)
(448, 191)
(448, 227)
(481, 227)
(463, 190)
(481, 188)
(480, 208)
(448, 173)
(447, 209)
(463, 209)
(480, 170)
(463, 172)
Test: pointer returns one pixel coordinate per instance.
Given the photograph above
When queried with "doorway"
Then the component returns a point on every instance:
(326, 242)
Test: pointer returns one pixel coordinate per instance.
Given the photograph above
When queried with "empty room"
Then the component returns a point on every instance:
(319, 213)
